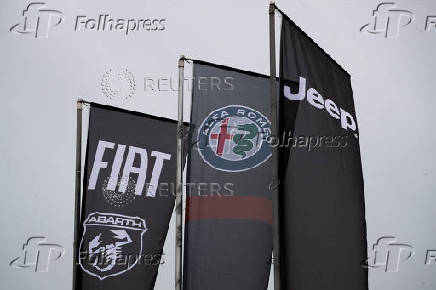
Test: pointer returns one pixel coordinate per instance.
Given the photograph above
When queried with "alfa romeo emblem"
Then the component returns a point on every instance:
(234, 138)
(111, 244)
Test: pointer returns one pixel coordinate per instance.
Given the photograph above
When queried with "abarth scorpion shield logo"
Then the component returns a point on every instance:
(234, 138)
(111, 244)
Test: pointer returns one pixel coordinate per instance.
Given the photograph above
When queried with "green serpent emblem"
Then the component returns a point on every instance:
(243, 141)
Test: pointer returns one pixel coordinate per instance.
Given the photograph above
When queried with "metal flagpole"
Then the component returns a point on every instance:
(179, 177)
(274, 158)
(78, 187)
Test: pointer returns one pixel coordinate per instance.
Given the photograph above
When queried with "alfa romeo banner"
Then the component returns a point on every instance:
(128, 199)
(228, 240)
(322, 198)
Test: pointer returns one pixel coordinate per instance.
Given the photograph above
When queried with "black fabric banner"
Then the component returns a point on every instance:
(228, 238)
(128, 199)
(321, 193)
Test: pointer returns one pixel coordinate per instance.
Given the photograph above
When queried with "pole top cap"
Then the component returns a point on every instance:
(182, 60)
(272, 7)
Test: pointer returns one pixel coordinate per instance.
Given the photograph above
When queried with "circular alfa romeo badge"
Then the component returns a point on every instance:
(234, 138)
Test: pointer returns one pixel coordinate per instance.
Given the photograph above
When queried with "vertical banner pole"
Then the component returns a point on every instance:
(179, 177)
(77, 188)
(274, 158)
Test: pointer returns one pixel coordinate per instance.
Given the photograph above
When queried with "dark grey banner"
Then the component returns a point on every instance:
(322, 199)
(228, 215)
(128, 199)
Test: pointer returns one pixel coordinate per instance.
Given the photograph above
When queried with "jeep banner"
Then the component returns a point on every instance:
(129, 181)
(321, 191)
(228, 213)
